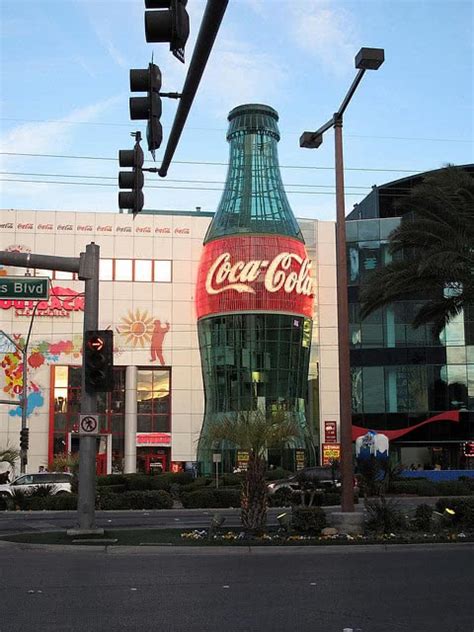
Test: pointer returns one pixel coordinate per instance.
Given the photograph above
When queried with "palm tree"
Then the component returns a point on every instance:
(10, 456)
(436, 240)
(254, 432)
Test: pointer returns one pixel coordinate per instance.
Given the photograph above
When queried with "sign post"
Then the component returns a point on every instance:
(217, 458)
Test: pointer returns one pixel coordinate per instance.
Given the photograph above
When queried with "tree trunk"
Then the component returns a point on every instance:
(254, 495)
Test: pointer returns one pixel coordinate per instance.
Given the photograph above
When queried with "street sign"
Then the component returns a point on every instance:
(216, 457)
(20, 287)
(89, 424)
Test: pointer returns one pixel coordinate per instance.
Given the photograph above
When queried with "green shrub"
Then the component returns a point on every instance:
(140, 499)
(111, 480)
(19, 499)
(197, 484)
(3, 503)
(231, 480)
(111, 489)
(384, 515)
(283, 497)
(453, 488)
(423, 517)
(309, 520)
(463, 511)
(211, 498)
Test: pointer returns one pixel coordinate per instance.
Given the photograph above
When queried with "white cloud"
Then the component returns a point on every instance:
(325, 31)
(51, 136)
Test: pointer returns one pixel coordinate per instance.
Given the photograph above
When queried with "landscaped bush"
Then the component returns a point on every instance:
(147, 499)
(309, 520)
(463, 508)
(111, 480)
(199, 483)
(283, 497)
(61, 502)
(423, 517)
(423, 487)
(3, 503)
(384, 516)
(211, 498)
(231, 480)
(111, 489)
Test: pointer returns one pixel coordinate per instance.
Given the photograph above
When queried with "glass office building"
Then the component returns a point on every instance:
(416, 387)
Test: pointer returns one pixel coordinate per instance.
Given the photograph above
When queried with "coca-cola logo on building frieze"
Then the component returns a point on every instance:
(255, 273)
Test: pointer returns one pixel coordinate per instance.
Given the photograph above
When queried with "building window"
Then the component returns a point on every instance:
(123, 269)
(153, 400)
(106, 270)
(162, 272)
(143, 270)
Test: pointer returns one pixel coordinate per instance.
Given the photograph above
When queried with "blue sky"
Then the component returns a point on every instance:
(64, 85)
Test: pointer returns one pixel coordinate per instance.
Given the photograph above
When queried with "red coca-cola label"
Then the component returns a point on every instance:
(255, 273)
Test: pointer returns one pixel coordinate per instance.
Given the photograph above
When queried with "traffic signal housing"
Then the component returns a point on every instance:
(147, 108)
(169, 24)
(24, 438)
(133, 180)
(99, 361)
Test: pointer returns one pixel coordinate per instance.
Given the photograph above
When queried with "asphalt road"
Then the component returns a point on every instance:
(369, 589)
(19, 521)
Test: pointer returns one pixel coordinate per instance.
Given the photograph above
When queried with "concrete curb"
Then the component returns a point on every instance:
(323, 549)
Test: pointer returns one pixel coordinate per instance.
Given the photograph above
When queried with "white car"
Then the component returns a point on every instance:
(60, 483)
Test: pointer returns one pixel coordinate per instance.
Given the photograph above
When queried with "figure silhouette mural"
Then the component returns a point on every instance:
(157, 338)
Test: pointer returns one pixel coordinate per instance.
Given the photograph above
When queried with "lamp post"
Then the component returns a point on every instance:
(366, 59)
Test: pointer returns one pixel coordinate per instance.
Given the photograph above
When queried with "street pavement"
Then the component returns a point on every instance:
(325, 589)
(21, 521)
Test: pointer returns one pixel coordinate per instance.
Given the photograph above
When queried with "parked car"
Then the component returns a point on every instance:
(323, 477)
(60, 483)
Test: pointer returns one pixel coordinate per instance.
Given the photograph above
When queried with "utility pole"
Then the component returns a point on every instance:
(87, 268)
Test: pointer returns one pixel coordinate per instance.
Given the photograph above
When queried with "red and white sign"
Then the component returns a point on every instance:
(255, 273)
(153, 438)
(330, 432)
(330, 452)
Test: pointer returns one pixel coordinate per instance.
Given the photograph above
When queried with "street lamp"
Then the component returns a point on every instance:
(366, 59)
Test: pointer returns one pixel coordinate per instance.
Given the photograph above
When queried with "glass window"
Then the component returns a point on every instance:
(106, 269)
(153, 401)
(123, 269)
(373, 389)
(162, 272)
(455, 355)
(143, 270)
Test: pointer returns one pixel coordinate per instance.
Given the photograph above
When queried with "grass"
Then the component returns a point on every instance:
(172, 537)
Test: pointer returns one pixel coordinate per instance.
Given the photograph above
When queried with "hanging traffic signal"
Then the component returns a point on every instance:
(147, 108)
(133, 180)
(171, 24)
(99, 361)
(24, 438)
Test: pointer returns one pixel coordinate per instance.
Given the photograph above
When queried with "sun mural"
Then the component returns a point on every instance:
(137, 328)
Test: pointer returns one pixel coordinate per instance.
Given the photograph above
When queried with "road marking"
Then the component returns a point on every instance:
(226, 586)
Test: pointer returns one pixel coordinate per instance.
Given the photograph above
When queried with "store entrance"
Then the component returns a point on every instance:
(152, 460)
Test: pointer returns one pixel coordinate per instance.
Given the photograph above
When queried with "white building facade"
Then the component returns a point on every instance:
(148, 273)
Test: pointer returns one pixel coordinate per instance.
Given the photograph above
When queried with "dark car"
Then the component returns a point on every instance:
(325, 478)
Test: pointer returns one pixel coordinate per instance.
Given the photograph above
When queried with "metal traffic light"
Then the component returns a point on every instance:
(24, 438)
(99, 361)
(133, 180)
(147, 108)
(169, 24)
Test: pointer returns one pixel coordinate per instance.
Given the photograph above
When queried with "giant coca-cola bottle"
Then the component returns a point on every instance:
(254, 295)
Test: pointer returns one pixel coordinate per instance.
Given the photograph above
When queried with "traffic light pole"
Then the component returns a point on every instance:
(88, 444)
(87, 268)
